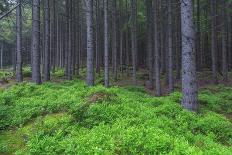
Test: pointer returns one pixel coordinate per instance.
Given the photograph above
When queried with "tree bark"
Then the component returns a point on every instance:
(47, 41)
(19, 74)
(106, 44)
(114, 40)
(1, 57)
(189, 79)
(35, 49)
(224, 49)
(149, 41)
(90, 51)
(156, 50)
(213, 41)
(134, 38)
(170, 51)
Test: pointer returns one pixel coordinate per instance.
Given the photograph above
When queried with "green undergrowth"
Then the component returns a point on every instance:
(5, 74)
(71, 118)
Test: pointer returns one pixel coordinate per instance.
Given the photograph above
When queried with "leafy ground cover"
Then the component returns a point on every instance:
(70, 118)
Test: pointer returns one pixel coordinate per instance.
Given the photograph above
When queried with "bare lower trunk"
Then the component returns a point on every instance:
(47, 41)
(90, 51)
(189, 79)
(114, 40)
(170, 51)
(106, 43)
(134, 38)
(19, 74)
(35, 49)
(224, 50)
(1, 57)
(156, 48)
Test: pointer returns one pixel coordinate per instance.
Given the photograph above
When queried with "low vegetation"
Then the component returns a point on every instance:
(69, 118)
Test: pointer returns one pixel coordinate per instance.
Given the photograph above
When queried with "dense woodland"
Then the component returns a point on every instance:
(123, 50)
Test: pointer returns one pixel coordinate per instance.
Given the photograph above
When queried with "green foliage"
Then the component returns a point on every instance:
(5, 74)
(219, 100)
(58, 73)
(27, 71)
(71, 118)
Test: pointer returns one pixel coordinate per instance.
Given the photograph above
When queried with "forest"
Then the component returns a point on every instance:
(116, 77)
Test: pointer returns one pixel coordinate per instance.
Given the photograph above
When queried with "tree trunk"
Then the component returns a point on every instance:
(106, 43)
(170, 51)
(114, 40)
(90, 52)
(213, 41)
(1, 57)
(19, 74)
(35, 49)
(224, 50)
(156, 49)
(189, 79)
(47, 41)
(149, 41)
(134, 38)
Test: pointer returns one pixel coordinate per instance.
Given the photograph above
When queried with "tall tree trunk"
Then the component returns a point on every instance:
(178, 46)
(19, 74)
(170, 52)
(149, 41)
(47, 41)
(70, 41)
(1, 57)
(106, 43)
(90, 51)
(53, 34)
(199, 51)
(97, 37)
(121, 20)
(134, 38)
(35, 49)
(114, 40)
(224, 50)
(229, 17)
(213, 41)
(189, 78)
(156, 49)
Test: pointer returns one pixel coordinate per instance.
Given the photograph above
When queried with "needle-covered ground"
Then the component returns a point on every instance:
(70, 118)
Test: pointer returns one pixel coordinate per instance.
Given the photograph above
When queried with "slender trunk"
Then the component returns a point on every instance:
(106, 43)
(35, 49)
(170, 52)
(47, 41)
(19, 75)
(224, 50)
(70, 41)
(229, 40)
(90, 51)
(213, 41)
(97, 38)
(199, 52)
(149, 41)
(114, 40)
(1, 55)
(189, 79)
(134, 38)
(156, 49)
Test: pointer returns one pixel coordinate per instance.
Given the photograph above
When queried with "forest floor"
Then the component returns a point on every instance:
(66, 117)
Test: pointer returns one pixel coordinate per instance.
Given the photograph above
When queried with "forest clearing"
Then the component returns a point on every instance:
(116, 77)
